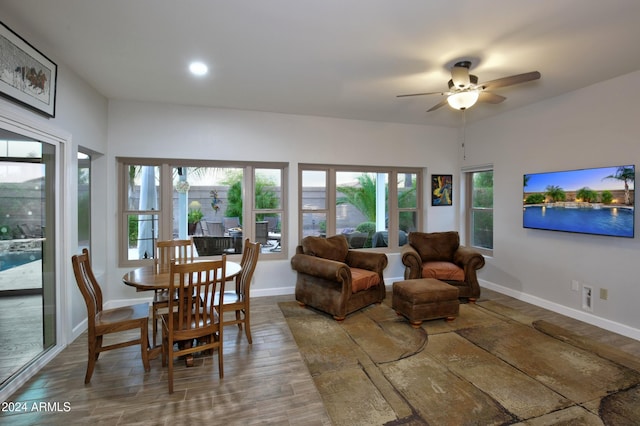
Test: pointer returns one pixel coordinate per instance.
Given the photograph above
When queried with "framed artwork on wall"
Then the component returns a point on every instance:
(441, 190)
(26, 75)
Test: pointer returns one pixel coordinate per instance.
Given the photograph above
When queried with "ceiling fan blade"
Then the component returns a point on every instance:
(509, 81)
(438, 105)
(490, 98)
(421, 94)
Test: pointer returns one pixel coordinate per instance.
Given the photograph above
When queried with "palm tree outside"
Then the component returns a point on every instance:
(362, 196)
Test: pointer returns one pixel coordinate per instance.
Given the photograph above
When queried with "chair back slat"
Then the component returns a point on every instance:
(87, 284)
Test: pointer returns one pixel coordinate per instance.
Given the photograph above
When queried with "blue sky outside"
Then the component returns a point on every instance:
(572, 180)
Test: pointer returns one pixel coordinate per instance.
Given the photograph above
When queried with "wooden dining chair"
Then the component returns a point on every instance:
(189, 316)
(106, 321)
(238, 301)
(166, 252)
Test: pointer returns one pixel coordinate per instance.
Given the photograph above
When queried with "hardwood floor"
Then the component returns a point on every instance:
(266, 382)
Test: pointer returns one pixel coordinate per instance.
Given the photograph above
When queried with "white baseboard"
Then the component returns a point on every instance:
(583, 316)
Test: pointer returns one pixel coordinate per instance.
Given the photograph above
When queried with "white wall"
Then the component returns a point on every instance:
(596, 126)
(160, 130)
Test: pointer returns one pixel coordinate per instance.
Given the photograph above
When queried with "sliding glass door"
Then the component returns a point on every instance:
(27, 251)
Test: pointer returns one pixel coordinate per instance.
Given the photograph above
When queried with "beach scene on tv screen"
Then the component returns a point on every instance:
(591, 201)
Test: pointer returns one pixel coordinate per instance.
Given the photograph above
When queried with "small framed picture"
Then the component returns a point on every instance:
(441, 190)
(26, 75)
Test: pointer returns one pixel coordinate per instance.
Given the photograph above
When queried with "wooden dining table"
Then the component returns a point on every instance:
(150, 278)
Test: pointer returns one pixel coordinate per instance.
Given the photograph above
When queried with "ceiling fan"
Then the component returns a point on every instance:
(464, 90)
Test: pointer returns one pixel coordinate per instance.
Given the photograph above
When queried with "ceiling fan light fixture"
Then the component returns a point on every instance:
(463, 100)
(460, 77)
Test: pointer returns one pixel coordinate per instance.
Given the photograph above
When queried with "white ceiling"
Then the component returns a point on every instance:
(334, 58)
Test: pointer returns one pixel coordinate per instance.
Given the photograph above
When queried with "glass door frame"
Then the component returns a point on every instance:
(22, 124)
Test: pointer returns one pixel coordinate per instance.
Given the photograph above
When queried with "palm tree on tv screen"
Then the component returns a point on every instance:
(587, 195)
(625, 174)
(555, 193)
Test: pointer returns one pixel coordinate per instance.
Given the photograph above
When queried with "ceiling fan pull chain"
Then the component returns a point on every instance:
(464, 134)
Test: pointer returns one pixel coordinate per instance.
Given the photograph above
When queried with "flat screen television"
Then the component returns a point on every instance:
(597, 201)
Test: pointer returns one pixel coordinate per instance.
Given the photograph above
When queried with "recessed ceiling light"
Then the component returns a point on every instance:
(198, 68)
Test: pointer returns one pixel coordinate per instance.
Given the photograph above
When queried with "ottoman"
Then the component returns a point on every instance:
(424, 299)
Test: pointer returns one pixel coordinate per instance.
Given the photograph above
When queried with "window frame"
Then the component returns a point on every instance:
(84, 160)
(468, 174)
(392, 172)
(165, 208)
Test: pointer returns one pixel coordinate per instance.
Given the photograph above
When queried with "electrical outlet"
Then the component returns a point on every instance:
(604, 293)
(587, 298)
(575, 285)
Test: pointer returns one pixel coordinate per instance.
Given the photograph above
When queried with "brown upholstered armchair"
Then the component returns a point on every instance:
(439, 255)
(336, 280)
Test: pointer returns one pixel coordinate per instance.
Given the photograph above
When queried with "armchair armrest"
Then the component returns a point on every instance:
(470, 260)
(412, 262)
(466, 257)
(320, 267)
(375, 262)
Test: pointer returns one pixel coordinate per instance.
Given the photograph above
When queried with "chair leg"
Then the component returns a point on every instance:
(247, 326)
(165, 347)
(144, 345)
(98, 346)
(91, 361)
(206, 340)
(170, 360)
(238, 318)
(154, 325)
(220, 363)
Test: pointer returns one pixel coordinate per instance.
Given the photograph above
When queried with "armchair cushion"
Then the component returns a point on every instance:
(362, 279)
(435, 245)
(332, 248)
(442, 270)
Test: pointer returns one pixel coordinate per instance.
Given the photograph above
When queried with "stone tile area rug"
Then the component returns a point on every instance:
(488, 367)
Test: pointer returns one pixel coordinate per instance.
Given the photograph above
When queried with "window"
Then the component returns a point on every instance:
(207, 201)
(359, 203)
(141, 210)
(84, 201)
(314, 208)
(268, 207)
(480, 211)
